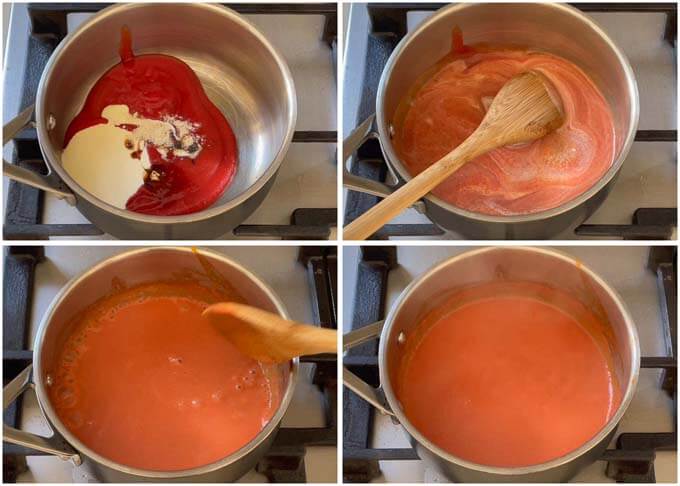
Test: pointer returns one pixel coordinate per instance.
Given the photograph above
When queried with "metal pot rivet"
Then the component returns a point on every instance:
(51, 122)
(391, 130)
(49, 380)
(401, 338)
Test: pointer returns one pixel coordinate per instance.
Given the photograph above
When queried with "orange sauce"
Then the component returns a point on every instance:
(449, 101)
(509, 375)
(144, 380)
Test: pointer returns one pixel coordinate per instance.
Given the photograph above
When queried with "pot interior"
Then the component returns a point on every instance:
(499, 265)
(552, 28)
(134, 268)
(238, 70)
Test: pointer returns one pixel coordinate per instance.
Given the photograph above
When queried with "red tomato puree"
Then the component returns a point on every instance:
(449, 102)
(509, 375)
(146, 381)
(157, 86)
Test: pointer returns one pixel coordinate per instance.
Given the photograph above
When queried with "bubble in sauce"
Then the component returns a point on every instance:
(183, 306)
(75, 419)
(70, 356)
(80, 348)
(66, 396)
(93, 327)
(248, 380)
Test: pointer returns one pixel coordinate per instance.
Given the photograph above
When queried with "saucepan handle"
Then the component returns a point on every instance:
(362, 133)
(48, 183)
(374, 396)
(350, 145)
(51, 445)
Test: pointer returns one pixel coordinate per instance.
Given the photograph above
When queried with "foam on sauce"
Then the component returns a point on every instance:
(144, 380)
(149, 140)
(509, 374)
(450, 100)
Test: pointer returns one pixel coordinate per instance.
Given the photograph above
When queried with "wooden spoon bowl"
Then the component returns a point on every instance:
(268, 337)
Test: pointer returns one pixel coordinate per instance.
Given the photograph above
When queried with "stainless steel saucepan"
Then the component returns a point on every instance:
(538, 265)
(241, 72)
(551, 27)
(136, 267)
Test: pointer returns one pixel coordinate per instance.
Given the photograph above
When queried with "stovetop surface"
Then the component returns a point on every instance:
(276, 266)
(624, 268)
(308, 174)
(648, 177)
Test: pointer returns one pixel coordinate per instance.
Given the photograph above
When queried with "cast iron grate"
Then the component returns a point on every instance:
(24, 210)
(285, 461)
(388, 26)
(631, 461)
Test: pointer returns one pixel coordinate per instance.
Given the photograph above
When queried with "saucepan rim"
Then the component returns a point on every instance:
(613, 422)
(51, 154)
(79, 446)
(393, 160)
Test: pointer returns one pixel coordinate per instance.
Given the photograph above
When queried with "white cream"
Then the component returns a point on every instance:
(99, 158)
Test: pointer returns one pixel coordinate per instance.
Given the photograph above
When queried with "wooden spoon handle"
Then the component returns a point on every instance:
(376, 217)
(315, 340)
(297, 338)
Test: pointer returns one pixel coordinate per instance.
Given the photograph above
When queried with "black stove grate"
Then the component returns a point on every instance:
(388, 27)
(285, 461)
(23, 215)
(631, 461)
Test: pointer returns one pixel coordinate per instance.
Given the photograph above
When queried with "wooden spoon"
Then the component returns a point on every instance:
(268, 337)
(526, 108)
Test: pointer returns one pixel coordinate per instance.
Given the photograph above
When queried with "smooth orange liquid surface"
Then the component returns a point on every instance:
(509, 380)
(449, 102)
(145, 381)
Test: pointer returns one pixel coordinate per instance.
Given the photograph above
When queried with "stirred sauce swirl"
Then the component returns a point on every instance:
(449, 101)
